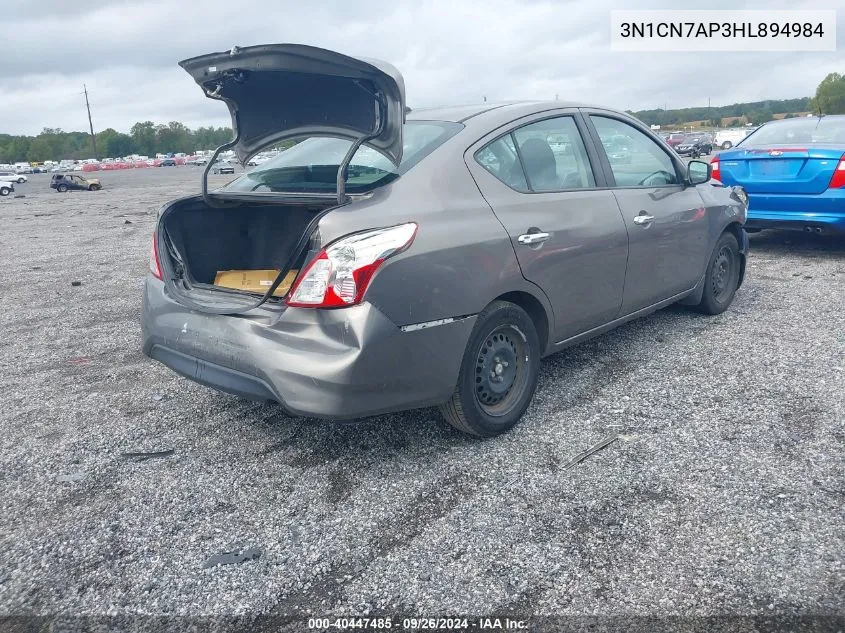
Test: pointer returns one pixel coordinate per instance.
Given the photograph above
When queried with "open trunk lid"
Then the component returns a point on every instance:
(781, 170)
(280, 91)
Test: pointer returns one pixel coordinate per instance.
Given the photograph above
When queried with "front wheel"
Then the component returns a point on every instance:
(61, 188)
(498, 373)
(727, 145)
(722, 276)
(5, 191)
(94, 188)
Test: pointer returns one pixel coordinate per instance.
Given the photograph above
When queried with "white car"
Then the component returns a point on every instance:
(6, 188)
(13, 177)
(726, 139)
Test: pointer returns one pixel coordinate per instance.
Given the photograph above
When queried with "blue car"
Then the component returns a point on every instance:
(793, 171)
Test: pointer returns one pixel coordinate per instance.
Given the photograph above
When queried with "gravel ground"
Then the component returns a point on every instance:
(723, 496)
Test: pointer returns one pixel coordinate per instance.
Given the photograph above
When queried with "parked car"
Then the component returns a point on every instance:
(223, 167)
(695, 146)
(13, 177)
(6, 187)
(675, 138)
(64, 182)
(434, 265)
(794, 173)
(167, 162)
(726, 139)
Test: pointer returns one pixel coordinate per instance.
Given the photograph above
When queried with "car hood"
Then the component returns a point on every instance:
(281, 91)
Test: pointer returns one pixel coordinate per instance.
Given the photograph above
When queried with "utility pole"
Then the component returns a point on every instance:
(90, 124)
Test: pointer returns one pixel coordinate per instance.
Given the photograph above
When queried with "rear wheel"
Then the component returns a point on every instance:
(727, 145)
(722, 276)
(5, 191)
(498, 374)
(21, 181)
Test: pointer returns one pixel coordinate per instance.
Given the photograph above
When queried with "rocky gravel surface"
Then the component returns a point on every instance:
(723, 495)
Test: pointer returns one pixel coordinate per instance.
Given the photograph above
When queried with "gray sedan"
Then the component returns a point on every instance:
(394, 259)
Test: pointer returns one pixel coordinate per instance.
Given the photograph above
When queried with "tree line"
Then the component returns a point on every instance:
(148, 138)
(757, 112)
(145, 138)
(829, 99)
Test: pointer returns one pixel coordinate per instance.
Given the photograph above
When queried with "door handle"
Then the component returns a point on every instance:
(532, 238)
(643, 218)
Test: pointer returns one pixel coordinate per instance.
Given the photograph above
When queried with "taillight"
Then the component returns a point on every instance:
(340, 273)
(837, 181)
(155, 269)
(715, 173)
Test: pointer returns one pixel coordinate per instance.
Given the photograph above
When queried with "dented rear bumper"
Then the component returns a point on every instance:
(340, 364)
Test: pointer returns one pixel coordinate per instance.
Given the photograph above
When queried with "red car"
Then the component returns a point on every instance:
(675, 138)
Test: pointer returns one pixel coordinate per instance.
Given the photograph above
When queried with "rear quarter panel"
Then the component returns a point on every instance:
(461, 258)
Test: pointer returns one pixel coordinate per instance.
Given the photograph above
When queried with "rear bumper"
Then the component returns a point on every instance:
(338, 364)
(822, 213)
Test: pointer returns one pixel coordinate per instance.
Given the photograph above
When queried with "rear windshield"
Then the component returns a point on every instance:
(311, 165)
(806, 131)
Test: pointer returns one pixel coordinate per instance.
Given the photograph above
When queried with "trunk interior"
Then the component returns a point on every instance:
(246, 237)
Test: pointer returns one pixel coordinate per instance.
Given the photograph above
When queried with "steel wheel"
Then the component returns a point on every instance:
(721, 275)
(500, 371)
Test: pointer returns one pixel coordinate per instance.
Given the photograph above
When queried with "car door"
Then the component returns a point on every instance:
(666, 219)
(565, 226)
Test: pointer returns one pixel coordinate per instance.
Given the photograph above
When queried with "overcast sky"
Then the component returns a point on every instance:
(450, 52)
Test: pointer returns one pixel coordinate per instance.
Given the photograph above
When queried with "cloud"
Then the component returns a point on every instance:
(449, 53)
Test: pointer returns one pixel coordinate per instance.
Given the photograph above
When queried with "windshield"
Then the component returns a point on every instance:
(311, 165)
(806, 131)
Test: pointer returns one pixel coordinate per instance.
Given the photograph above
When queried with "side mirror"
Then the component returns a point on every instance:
(698, 172)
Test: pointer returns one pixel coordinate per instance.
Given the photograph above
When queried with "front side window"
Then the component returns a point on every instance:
(311, 165)
(635, 159)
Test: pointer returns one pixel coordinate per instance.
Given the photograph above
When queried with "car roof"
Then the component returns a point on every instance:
(461, 113)
(803, 118)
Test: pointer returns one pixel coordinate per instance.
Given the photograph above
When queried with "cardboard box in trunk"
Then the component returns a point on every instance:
(257, 281)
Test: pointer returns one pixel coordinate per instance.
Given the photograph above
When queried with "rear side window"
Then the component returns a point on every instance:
(501, 160)
(554, 156)
(545, 156)
(635, 159)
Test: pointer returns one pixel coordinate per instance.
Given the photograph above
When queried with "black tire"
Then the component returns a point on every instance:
(498, 374)
(61, 188)
(21, 181)
(727, 145)
(94, 188)
(722, 276)
(5, 191)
